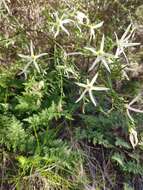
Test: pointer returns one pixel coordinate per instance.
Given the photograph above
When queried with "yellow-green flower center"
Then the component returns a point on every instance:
(33, 56)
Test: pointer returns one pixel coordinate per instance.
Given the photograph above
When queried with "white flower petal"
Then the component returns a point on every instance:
(93, 50)
(81, 84)
(92, 98)
(129, 115)
(24, 56)
(66, 21)
(31, 48)
(65, 30)
(129, 36)
(105, 64)
(26, 67)
(100, 88)
(97, 60)
(124, 74)
(82, 95)
(94, 79)
(57, 32)
(134, 100)
(92, 34)
(81, 16)
(126, 32)
(36, 66)
(125, 56)
(98, 25)
(133, 138)
(75, 53)
(135, 110)
(117, 40)
(130, 44)
(41, 55)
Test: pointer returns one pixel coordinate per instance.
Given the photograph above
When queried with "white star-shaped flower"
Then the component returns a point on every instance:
(124, 43)
(130, 108)
(92, 28)
(89, 88)
(81, 17)
(59, 24)
(32, 59)
(101, 56)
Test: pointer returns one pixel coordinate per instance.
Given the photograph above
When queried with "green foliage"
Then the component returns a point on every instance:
(56, 164)
(30, 115)
(13, 135)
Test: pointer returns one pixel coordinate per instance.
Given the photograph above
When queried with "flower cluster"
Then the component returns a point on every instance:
(32, 59)
(105, 59)
(102, 59)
